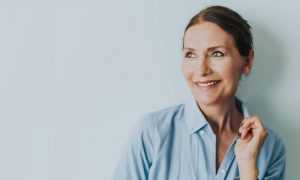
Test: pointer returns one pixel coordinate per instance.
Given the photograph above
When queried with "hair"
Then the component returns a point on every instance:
(231, 22)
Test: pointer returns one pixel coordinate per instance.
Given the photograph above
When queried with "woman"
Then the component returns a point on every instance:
(212, 135)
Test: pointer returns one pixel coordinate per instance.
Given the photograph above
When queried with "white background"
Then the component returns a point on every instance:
(76, 75)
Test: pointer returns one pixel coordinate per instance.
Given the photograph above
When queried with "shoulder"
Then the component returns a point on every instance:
(273, 149)
(157, 125)
(272, 157)
(153, 126)
(273, 139)
(143, 145)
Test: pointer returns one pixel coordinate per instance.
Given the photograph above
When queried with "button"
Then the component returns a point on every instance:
(223, 171)
(201, 132)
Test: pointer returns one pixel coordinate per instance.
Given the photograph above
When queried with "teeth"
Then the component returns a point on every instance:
(208, 84)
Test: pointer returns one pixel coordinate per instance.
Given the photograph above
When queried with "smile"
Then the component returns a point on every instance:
(207, 83)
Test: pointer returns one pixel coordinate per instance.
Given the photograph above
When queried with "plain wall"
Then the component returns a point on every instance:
(76, 75)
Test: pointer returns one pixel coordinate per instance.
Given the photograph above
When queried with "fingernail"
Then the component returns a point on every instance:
(239, 135)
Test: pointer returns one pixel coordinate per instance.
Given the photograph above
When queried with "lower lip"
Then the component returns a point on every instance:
(208, 87)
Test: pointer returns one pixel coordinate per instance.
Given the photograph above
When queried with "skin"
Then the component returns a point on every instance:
(210, 53)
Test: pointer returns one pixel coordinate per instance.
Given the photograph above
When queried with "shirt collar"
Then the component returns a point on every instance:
(194, 118)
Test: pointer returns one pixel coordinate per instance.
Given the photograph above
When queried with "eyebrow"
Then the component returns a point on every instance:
(208, 49)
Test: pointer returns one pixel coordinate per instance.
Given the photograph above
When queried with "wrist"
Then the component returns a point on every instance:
(248, 170)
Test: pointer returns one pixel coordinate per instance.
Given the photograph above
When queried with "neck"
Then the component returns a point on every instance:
(223, 116)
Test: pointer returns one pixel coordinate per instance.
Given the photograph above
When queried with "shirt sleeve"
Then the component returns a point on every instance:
(276, 169)
(136, 159)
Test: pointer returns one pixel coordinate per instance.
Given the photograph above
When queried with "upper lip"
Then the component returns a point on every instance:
(207, 81)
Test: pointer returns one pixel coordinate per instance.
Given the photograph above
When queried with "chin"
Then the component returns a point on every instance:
(204, 100)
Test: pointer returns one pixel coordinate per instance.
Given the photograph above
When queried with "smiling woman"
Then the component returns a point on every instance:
(212, 135)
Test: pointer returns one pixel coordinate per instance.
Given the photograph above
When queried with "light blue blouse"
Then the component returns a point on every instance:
(178, 143)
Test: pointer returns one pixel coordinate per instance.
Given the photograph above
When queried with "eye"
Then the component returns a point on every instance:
(217, 54)
(189, 55)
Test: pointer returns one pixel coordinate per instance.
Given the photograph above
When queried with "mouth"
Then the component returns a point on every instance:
(207, 84)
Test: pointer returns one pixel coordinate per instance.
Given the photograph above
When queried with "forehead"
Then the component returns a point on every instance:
(207, 34)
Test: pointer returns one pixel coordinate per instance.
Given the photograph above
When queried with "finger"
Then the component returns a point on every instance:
(254, 127)
(245, 136)
(245, 132)
(243, 121)
(254, 121)
(245, 127)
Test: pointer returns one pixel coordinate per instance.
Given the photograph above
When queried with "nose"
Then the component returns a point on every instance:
(202, 67)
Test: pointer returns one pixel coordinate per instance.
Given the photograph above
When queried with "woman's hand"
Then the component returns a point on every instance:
(252, 134)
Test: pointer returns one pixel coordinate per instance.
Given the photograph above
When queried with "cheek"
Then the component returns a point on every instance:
(232, 73)
(186, 70)
(237, 73)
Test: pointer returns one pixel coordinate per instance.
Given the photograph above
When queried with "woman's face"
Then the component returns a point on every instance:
(211, 65)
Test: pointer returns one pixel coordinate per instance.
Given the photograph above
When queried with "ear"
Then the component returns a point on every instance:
(248, 66)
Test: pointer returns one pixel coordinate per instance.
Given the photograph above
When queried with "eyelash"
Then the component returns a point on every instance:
(215, 54)
(187, 54)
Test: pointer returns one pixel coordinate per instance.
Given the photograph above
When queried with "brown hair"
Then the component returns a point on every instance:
(231, 22)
